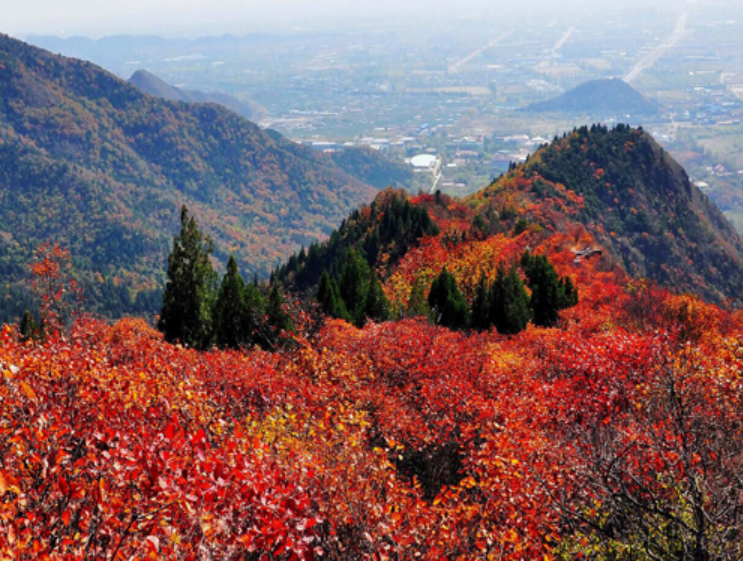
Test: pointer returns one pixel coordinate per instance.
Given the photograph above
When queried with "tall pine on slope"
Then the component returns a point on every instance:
(230, 308)
(186, 314)
(509, 302)
(448, 304)
(549, 293)
(354, 286)
(278, 320)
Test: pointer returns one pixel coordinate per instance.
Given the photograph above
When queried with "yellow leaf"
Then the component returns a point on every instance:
(26, 388)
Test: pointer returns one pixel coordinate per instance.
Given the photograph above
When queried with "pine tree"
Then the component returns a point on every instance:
(549, 294)
(481, 305)
(571, 293)
(509, 302)
(277, 319)
(29, 329)
(354, 286)
(253, 321)
(186, 314)
(447, 302)
(230, 308)
(377, 305)
(329, 299)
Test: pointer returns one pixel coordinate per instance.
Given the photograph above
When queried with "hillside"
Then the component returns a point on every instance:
(151, 84)
(612, 433)
(618, 187)
(103, 168)
(606, 97)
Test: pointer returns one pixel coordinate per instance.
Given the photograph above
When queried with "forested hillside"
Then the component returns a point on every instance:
(97, 165)
(475, 379)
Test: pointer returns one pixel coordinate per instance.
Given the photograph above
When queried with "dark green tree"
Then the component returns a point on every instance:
(354, 286)
(229, 311)
(29, 329)
(253, 320)
(278, 320)
(447, 302)
(186, 314)
(481, 304)
(571, 293)
(377, 305)
(329, 298)
(548, 291)
(509, 302)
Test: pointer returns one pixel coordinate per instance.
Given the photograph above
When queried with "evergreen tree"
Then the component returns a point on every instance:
(230, 308)
(571, 293)
(377, 305)
(277, 319)
(29, 329)
(447, 302)
(252, 326)
(354, 286)
(549, 293)
(509, 302)
(481, 305)
(329, 299)
(186, 314)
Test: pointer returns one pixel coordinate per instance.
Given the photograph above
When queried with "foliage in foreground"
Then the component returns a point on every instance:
(617, 435)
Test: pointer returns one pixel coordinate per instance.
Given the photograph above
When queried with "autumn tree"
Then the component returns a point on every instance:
(186, 315)
(417, 302)
(59, 295)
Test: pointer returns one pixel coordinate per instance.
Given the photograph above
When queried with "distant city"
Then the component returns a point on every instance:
(450, 101)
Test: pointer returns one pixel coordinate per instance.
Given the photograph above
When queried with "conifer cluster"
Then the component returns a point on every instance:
(198, 314)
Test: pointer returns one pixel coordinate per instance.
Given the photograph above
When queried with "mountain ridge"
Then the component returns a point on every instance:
(88, 159)
(613, 192)
(154, 85)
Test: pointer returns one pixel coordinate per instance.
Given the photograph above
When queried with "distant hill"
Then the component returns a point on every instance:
(610, 97)
(373, 167)
(96, 164)
(148, 82)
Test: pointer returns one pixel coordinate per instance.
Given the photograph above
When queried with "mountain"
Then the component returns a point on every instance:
(608, 97)
(151, 84)
(614, 194)
(96, 164)
(372, 167)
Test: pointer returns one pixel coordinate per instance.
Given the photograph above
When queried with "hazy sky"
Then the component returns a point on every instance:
(98, 18)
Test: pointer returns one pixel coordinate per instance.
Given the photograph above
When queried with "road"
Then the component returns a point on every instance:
(457, 65)
(436, 176)
(651, 58)
(561, 43)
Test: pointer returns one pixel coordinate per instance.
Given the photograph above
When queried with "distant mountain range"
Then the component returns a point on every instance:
(607, 97)
(96, 164)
